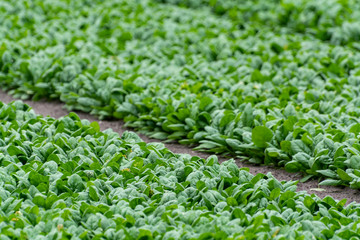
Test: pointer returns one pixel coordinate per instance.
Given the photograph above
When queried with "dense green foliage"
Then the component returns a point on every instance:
(336, 21)
(274, 82)
(64, 179)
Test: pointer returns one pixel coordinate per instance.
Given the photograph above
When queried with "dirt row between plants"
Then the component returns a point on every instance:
(55, 109)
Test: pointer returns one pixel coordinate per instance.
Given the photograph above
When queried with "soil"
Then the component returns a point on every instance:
(55, 109)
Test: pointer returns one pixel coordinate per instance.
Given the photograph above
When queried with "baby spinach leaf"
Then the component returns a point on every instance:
(261, 136)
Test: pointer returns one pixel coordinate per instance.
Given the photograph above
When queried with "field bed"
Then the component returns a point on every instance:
(55, 109)
(274, 83)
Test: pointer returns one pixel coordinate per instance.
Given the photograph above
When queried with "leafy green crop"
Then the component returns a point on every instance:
(274, 82)
(335, 21)
(64, 179)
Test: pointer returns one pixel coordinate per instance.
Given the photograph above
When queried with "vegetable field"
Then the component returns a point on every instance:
(272, 82)
(64, 179)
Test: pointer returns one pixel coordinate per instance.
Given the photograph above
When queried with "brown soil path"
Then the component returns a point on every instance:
(55, 109)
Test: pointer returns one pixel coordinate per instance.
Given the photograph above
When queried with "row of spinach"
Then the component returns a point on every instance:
(279, 97)
(335, 21)
(65, 179)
